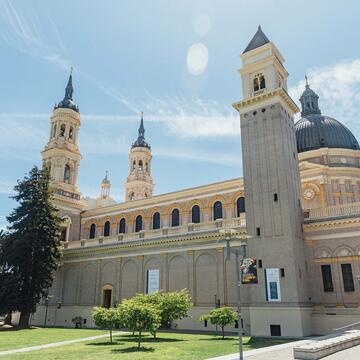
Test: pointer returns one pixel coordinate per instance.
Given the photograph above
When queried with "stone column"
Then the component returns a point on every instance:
(141, 283)
(117, 280)
(78, 283)
(191, 267)
(165, 274)
(221, 288)
(98, 283)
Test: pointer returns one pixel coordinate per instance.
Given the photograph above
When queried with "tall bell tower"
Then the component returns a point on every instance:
(139, 183)
(272, 192)
(62, 157)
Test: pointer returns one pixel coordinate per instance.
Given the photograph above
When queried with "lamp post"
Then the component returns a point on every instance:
(228, 236)
(47, 306)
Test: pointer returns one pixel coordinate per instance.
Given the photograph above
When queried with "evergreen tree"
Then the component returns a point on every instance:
(29, 252)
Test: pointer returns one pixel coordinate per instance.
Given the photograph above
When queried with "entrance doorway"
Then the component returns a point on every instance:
(107, 298)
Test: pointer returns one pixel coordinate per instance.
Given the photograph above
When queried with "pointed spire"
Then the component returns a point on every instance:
(259, 39)
(69, 87)
(68, 101)
(140, 141)
(309, 101)
(106, 180)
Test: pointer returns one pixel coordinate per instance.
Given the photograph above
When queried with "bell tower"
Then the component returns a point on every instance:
(62, 156)
(272, 191)
(139, 183)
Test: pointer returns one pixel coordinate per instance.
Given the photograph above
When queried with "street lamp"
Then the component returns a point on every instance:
(47, 306)
(228, 233)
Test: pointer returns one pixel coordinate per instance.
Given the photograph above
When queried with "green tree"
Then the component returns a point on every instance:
(222, 317)
(139, 317)
(172, 305)
(30, 251)
(106, 319)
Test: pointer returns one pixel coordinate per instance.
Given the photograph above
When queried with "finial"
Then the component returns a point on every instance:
(71, 70)
(306, 81)
(142, 115)
(259, 27)
(106, 174)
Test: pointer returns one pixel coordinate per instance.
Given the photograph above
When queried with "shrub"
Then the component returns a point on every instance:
(221, 316)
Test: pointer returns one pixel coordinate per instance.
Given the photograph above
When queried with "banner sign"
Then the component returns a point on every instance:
(153, 280)
(248, 269)
(273, 292)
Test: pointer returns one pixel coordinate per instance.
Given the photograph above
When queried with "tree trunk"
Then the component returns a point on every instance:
(223, 334)
(24, 319)
(139, 339)
(111, 333)
(8, 318)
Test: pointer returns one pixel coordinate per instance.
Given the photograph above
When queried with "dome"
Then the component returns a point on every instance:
(316, 131)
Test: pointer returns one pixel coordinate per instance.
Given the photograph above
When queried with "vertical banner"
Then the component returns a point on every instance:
(248, 269)
(273, 292)
(153, 280)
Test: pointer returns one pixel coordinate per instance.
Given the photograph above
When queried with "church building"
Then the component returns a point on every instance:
(297, 206)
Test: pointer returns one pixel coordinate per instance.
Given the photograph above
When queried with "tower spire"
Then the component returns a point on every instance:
(68, 102)
(140, 141)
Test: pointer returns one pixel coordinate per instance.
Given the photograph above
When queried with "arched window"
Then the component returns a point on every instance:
(218, 210)
(131, 196)
(140, 166)
(156, 221)
(71, 133)
(259, 82)
(62, 130)
(147, 167)
(195, 214)
(67, 174)
(107, 229)
(175, 218)
(138, 223)
(134, 166)
(240, 206)
(55, 128)
(92, 231)
(122, 226)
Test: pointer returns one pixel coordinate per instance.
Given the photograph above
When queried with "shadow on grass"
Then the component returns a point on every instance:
(14, 328)
(218, 339)
(133, 349)
(147, 339)
(106, 343)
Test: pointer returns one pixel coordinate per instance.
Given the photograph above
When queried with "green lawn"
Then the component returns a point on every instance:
(166, 346)
(14, 339)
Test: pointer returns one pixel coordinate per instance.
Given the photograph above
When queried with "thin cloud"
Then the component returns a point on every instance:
(187, 118)
(338, 87)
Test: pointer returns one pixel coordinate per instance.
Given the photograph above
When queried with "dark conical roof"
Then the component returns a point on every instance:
(258, 40)
(315, 131)
(140, 141)
(68, 102)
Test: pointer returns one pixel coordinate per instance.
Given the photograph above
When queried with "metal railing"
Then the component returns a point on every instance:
(357, 324)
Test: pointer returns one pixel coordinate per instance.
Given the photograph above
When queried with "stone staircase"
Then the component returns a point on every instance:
(327, 345)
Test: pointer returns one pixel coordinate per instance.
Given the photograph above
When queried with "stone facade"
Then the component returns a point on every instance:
(302, 216)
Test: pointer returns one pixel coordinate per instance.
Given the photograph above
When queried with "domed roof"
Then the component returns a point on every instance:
(315, 131)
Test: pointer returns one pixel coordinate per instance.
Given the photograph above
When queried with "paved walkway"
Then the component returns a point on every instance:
(285, 352)
(51, 345)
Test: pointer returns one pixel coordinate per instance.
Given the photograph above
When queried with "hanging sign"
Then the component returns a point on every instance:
(248, 269)
(273, 292)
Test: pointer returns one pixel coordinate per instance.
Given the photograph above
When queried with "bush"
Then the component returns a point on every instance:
(222, 317)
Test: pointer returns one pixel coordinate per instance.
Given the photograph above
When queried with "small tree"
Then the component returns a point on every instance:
(222, 317)
(106, 319)
(172, 305)
(139, 317)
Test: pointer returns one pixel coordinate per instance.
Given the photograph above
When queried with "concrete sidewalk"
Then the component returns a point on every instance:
(285, 352)
(60, 343)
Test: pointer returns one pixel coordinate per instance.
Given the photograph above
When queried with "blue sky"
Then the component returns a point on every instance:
(175, 60)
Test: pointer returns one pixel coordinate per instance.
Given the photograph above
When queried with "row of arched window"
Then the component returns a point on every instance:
(174, 220)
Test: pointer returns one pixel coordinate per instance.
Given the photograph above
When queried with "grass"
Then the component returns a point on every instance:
(15, 339)
(167, 346)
